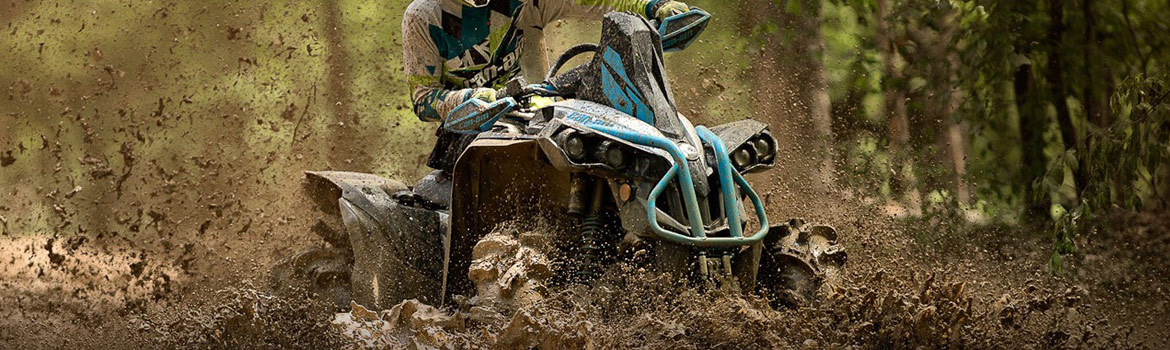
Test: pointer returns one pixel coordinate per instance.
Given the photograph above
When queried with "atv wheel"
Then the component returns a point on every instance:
(321, 271)
(800, 264)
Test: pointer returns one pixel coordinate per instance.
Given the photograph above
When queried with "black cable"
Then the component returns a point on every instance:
(568, 55)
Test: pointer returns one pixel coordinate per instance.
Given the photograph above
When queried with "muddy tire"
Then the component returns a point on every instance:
(323, 272)
(801, 265)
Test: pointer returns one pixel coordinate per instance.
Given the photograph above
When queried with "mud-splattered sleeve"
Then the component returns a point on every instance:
(552, 10)
(424, 68)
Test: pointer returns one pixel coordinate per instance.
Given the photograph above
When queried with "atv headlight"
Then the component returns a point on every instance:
(611, 154)
(743, 157)
(764, 147)
(572, 143)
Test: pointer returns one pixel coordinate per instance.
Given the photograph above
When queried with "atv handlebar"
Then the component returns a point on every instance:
(473, 116)
(675, 33)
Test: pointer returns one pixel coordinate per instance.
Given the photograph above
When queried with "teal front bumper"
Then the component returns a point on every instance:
(728, 179)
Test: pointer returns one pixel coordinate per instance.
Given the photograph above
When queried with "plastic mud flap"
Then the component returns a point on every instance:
(398, 250)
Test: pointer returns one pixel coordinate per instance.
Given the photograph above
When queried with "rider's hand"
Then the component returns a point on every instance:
(483, 94)
(670, 8)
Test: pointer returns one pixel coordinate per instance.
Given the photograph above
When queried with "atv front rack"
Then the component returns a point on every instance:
(728, 178)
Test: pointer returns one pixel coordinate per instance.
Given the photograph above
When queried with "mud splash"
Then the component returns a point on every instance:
(897, 291)
(633, 308)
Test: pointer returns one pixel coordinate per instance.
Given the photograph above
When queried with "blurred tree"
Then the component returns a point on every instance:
(898, 129)
(338, 80)
(791, 44)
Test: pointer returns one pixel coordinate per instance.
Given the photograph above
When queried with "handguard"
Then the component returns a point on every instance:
(680, 30)
(476, 116)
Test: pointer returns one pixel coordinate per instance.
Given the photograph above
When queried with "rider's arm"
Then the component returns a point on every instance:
(553, 10)
(424, 68)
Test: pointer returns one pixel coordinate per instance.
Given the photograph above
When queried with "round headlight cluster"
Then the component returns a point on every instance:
(607, 152)
(611, 154)
(757, 150)
(763, 147)
(743, 157)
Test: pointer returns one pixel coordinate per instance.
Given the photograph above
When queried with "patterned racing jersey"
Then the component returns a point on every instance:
(450, 49)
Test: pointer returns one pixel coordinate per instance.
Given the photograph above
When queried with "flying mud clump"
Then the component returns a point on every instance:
(509, 271)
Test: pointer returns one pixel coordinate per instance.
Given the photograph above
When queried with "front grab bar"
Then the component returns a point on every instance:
(698, 236)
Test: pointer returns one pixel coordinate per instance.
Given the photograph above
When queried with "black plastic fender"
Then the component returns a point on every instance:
(398, 250)
(734, 134)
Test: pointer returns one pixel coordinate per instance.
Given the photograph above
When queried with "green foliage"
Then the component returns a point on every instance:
(1065, 229)
(1126, 160)
(1063, 107)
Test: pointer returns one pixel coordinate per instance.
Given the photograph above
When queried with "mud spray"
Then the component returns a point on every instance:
(892, 298)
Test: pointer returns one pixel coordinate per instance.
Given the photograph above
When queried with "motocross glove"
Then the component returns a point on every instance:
(483, 94)
(661, 9)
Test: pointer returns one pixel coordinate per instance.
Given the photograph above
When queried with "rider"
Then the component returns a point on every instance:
(456, 50)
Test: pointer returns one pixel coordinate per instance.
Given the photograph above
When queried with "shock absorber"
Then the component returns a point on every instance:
(589, 252)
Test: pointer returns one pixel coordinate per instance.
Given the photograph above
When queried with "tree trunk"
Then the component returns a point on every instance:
(898, 123)
(801, 46)
(1092, 98)
(1057, 89)
(956, 132)
(1032, 124)
(818, 93)
(781, 71)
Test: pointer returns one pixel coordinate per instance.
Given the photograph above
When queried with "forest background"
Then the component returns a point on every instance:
(1012, 112)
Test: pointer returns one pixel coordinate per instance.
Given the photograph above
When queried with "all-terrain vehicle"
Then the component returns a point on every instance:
(611, 164)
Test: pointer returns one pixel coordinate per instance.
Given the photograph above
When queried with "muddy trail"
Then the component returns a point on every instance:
(908, 283)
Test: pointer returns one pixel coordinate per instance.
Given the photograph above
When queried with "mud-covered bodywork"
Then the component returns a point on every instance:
(398, 248)
(612, 162)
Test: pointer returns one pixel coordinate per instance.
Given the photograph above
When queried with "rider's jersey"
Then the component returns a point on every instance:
(449, 48)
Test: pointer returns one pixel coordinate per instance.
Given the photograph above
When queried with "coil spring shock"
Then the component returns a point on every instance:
(589, 253)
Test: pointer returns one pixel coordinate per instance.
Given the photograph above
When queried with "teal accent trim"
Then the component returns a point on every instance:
(650, 8)
(475, 116)
(727, 174)
(681, 169)
(680, 38)
(622, 97)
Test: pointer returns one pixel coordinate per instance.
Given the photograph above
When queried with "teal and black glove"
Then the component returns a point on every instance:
(661, 9)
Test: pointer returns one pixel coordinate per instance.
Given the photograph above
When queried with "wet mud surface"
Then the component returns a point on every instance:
(973, 288)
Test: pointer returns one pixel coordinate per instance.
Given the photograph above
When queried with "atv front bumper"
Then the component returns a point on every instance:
(728, 181)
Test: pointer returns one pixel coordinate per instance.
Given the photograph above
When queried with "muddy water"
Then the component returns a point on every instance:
(908, 283)
(878, 306)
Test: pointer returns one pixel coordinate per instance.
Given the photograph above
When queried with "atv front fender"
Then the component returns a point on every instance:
(735, 134)
(398, 250)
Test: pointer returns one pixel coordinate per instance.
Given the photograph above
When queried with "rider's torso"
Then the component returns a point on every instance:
(480, 47)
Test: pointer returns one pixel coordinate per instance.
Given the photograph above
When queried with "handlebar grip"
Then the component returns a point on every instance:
(514, 88)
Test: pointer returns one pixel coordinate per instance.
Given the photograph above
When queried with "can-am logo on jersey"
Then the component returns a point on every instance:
(489, 74)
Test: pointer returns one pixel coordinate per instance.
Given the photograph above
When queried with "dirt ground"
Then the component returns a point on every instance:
(908, 283)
